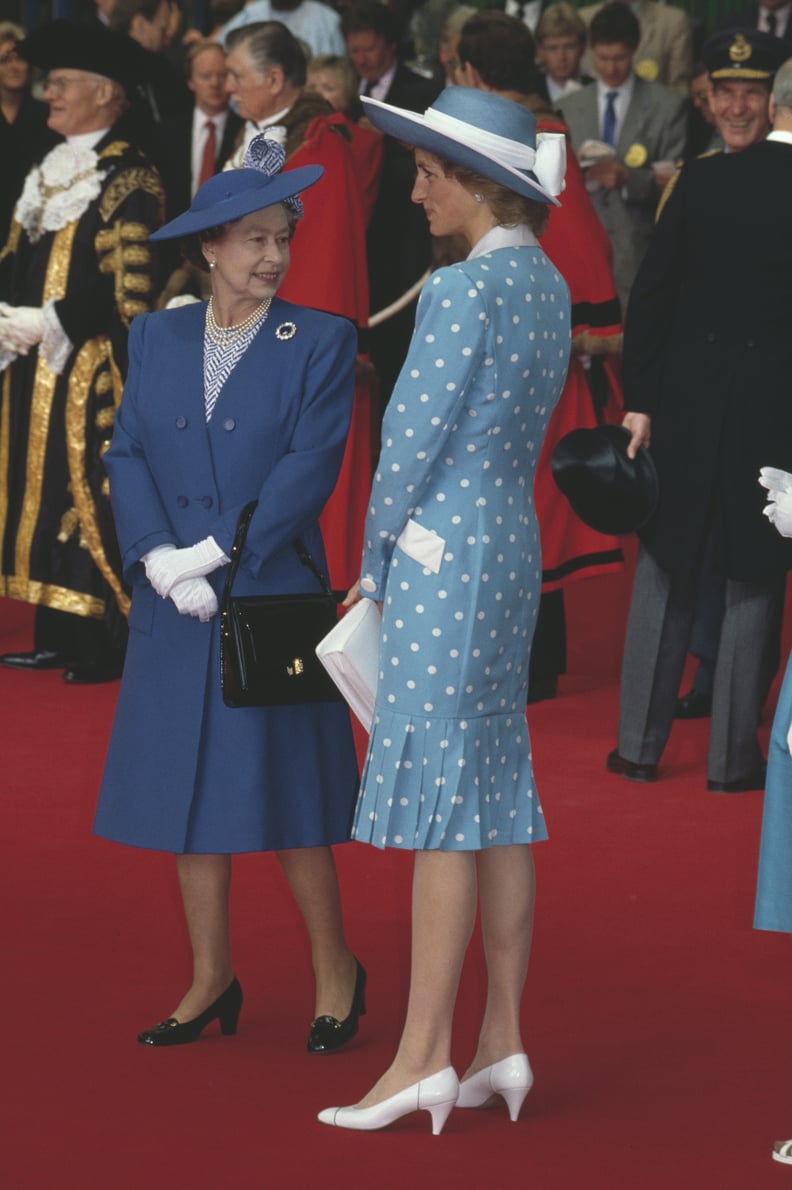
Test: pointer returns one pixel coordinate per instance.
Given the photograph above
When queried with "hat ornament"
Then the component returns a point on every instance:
(547, 161)
(268, 156)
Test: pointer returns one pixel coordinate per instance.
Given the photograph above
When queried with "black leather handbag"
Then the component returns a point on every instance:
(268, 642)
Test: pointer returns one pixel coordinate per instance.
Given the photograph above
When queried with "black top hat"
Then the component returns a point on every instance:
(609, 491)
(90, 47)
(743, 54)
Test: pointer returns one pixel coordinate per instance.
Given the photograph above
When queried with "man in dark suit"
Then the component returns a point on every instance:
(398, 243)
(707, 361)
(163, 93)
(194, 145)
(772, 16)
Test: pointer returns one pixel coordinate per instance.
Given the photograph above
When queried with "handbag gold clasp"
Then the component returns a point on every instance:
(296, 667)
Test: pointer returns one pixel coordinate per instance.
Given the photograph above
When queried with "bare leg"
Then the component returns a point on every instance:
(506, 900)
(312, 878)
(205, 882)
(444, 910)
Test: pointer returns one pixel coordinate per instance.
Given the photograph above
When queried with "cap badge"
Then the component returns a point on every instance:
(740, 51)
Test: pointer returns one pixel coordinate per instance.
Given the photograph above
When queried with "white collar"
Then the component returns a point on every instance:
(784, 138)
(270, 120)
(519, 236)
(87, 140)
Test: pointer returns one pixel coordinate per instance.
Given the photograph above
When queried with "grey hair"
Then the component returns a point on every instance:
(271, 44)
(782, 86)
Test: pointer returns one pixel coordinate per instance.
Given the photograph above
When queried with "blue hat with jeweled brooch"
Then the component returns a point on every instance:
(230, 195)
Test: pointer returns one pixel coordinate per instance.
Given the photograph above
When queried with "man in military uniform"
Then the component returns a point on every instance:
(707, 361)
(76, 270)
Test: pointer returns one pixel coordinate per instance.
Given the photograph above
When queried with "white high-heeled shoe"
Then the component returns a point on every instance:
(436, 1094)
(511, 1078)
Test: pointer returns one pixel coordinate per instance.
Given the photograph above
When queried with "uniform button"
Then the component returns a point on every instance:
(207, 501)
(710, 336)
(368, 584)
(229, 424)
(181, 423)
(751, 343)
(182, 501)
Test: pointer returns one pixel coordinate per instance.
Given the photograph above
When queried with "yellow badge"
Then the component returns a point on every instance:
(739, 50)
(636, 156)
(648, 70)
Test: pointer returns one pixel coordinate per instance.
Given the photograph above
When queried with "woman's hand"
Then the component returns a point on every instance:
(166, 566)
(195, 597)
(353, 596)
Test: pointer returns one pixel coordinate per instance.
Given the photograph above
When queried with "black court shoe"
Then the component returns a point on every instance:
(225, 1009)
(327, 1033)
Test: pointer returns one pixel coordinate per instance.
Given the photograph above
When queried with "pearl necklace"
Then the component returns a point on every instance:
(221, 336)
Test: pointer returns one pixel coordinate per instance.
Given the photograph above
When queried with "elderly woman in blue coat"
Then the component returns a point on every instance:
(452, 553)
(244, 398)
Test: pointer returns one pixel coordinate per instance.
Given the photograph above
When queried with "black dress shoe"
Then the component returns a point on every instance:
(87, 675)
(693, 705)
(744, 785)
(327, 1033)
(37, 659)
(630, 769)
(225, 1009)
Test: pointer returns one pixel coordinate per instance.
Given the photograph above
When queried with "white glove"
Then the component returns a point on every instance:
(775, 480)
(195, 597)
(22, 327)
(778, 511)
(166, 566)
(7, 339)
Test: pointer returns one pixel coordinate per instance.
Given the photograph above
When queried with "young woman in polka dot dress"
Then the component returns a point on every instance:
(452, 554)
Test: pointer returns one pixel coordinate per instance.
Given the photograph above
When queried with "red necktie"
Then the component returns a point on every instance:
(209, 154)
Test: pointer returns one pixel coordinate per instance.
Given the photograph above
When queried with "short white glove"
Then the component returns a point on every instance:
(22, 327)
(195, 597)
(7, 337)
(166, 566)
(778, 511)
(775, 480)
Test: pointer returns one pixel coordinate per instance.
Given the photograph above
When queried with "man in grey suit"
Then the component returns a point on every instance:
(640, 122)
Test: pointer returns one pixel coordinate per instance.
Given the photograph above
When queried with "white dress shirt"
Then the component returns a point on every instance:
(624, 95)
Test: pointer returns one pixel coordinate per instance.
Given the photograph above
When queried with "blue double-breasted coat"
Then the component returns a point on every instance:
(185, 773)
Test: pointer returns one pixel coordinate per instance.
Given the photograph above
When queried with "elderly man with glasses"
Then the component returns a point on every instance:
(76, 270)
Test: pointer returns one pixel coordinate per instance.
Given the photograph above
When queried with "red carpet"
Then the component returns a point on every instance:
(655, 1017)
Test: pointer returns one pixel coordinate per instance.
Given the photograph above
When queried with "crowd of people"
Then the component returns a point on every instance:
(473, 230)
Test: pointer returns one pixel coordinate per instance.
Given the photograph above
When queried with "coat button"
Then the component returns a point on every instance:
(750, 343)
(229, 424)
(182, 501)
(710, 336)
(181, 422)
(207, 501)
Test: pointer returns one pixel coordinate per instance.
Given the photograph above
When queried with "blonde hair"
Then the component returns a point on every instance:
(561, 20)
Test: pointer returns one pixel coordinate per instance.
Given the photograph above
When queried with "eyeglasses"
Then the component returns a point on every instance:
(59, 84)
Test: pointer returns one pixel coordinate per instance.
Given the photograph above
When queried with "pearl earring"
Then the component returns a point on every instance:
(212, 264)
(479, 197)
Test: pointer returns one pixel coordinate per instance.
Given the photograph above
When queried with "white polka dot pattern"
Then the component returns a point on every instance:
(449, 760)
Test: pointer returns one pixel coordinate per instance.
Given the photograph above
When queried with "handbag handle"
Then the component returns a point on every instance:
(240, 537)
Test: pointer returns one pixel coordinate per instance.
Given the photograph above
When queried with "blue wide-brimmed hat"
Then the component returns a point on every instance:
(483, 132)
(237, 192)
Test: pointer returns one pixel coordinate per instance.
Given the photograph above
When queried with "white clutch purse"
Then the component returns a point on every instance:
(350, 654)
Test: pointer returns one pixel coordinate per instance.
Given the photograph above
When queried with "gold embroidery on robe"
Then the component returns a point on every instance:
(41, 408)
(94, 359)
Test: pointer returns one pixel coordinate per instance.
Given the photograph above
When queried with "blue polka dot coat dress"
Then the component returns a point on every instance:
(452, 550)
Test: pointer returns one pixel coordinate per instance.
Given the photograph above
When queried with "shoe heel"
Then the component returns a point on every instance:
(440, 1113)
(228, 1015)
(514, 1098)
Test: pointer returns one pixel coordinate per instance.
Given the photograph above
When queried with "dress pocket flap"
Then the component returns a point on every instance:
(422, 545)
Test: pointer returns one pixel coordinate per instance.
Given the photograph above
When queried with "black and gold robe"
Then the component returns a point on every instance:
(58, 546)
